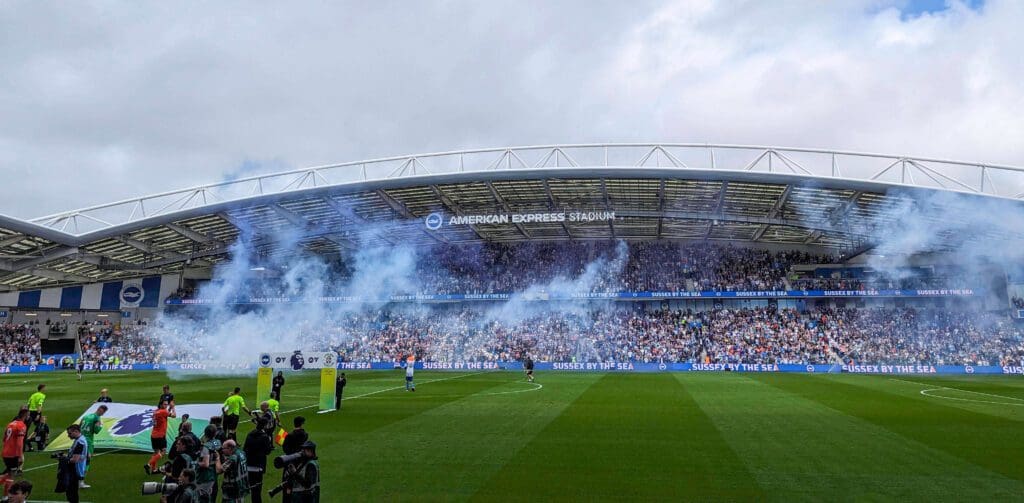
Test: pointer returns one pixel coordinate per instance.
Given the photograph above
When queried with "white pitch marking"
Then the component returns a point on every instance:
(55, 464)
(925, 393)
(538, 387)
(383, 391)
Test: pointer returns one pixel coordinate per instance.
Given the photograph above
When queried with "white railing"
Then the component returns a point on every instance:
(970, 177)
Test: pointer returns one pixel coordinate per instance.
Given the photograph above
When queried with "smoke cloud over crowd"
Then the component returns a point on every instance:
(978, 237)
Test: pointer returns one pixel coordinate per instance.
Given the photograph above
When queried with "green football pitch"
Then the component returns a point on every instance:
(589, 436)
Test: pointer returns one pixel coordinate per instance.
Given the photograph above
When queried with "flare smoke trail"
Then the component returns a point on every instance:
(224, 334)
(982, 236)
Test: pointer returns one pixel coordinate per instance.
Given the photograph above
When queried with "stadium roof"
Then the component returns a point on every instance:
(658, 191)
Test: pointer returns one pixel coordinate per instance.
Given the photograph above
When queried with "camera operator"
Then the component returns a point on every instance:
(181, 459)
(209, 463)
(305, 483)
(184, 420)
(72, 467)
(258, 445)
(185, 435)
(186, 491)
(235, 486)
(266, 414)
(218, 421)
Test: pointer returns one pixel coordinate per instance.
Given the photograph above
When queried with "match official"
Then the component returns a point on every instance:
(233, 406)
(35, 404)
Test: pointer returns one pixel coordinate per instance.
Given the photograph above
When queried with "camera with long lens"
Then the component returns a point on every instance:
(165, 489)
(287, 459)
(288, 462)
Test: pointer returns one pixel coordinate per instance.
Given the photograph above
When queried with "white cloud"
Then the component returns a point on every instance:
(104, 101)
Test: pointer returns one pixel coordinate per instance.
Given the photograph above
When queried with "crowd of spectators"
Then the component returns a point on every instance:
(608, 332)
(19, 344)
(623, 332)
(116, 344)
(613, 267)
(936, 336)
(884, 283)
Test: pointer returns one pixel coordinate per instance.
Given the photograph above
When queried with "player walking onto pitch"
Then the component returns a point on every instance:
(158, 436)
(410, 364)
(13, 450)
(528, 366)
(91, 425)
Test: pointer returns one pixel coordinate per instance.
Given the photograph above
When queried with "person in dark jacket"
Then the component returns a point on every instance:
(298, 436)
(339, 388)
(258, 445)
(276, 385)
(292, 444)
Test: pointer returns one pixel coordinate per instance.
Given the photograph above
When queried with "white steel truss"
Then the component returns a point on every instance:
(960, 176)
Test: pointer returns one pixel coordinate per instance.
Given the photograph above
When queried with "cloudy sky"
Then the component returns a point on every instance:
(101, 101)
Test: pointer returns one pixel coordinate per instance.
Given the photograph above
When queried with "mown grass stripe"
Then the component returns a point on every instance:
(448, 452)
(639, 437)
(800, 449)
(992, 442)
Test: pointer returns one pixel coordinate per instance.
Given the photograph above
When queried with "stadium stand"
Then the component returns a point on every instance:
(19, 344)
(647, 266)
(616, 332)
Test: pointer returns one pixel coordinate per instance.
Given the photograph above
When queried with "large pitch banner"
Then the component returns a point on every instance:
(129, 425)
